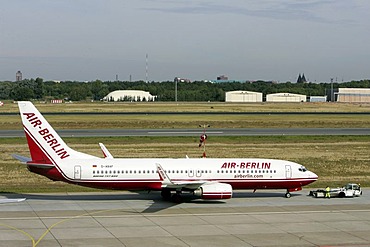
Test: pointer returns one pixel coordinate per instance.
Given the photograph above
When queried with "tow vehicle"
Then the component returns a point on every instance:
(349, 190)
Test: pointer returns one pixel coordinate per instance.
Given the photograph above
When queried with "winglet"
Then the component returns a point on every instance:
(163, 176)
(105, 151)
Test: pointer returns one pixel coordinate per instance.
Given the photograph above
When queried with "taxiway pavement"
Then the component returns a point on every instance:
(196, 132)
(264, 218)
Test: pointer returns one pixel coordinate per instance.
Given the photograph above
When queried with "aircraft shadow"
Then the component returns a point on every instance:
(154, 195)
(156, 205)
(262, 194)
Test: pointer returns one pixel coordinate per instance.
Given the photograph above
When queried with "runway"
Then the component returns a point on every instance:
(196, 132)
(264, 218)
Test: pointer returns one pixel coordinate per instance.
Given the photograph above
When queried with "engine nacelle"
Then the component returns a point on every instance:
(214, 191)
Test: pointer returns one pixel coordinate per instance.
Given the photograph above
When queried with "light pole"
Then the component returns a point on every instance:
(176, 90)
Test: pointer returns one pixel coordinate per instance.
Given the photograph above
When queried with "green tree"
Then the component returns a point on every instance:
(39, 89)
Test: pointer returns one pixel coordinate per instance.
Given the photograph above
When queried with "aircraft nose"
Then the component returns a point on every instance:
(313, 175)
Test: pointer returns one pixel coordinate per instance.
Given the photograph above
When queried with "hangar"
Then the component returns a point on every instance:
(129, 95)
(285, 97)
(243, 96)
(353, 95)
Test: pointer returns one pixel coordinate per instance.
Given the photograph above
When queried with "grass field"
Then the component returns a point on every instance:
(193, 121)
(192, 107)
(336, 159)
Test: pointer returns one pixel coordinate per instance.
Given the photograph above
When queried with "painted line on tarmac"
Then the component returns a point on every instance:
(87, 215)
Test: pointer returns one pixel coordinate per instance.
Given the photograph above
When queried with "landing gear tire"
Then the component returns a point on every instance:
(287, 195)
(166, 194)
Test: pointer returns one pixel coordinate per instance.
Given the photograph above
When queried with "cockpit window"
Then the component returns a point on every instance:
(302, 169)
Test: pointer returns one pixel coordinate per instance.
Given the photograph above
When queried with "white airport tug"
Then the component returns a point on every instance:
(349, 190)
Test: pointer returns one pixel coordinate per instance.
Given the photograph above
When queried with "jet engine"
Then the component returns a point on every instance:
(214, 191)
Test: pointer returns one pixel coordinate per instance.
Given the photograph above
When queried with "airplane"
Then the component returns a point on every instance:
(206, 178)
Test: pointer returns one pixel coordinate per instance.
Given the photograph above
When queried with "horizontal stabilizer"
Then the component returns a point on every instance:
(22, 159)
(30, 162)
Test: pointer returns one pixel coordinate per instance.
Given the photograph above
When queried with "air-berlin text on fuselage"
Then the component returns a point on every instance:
(246, 165)
(48, 137)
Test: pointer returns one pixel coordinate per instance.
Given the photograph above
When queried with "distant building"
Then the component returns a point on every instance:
(18, 76)
(222, 78)
(318, 98)
(178, 79)
(129, 95)
(285, 97)
(243, 96)
(353, 95)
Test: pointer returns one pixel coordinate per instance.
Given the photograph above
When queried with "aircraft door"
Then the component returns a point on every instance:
(191, 173)
(288, 171)
(199, 173)
(77, 173)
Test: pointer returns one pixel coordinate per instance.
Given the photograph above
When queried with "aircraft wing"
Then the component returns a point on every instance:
(205, 189)
(168, 183)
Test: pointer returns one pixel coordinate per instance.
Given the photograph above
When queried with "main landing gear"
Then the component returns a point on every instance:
(168, 196)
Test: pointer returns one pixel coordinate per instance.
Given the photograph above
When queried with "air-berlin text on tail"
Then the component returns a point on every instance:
(48, 137)
(246, 165)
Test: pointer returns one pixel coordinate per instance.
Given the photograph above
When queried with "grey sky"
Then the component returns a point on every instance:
(243, 39)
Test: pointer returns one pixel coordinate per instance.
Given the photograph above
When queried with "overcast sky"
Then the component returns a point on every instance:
(242, 39)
